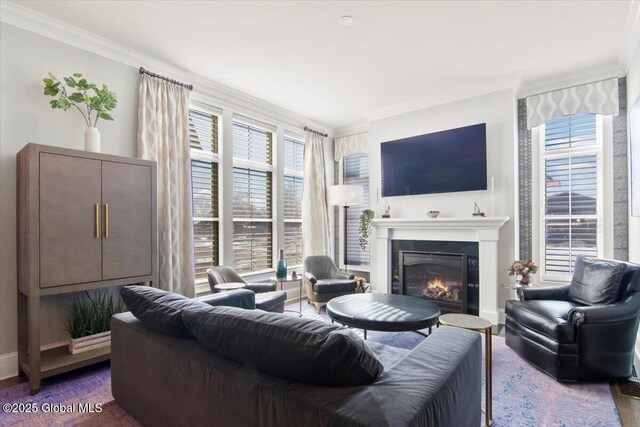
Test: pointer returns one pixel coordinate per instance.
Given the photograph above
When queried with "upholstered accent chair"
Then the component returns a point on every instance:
(323, 281)
(267, 297)
(583, 331)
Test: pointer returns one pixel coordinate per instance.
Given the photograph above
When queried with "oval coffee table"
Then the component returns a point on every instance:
(382, 312)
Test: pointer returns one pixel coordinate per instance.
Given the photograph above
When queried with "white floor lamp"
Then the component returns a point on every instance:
(345, 196)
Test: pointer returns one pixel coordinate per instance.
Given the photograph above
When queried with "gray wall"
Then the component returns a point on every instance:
(27, 117)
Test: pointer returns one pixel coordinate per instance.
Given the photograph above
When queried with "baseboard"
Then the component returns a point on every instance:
(9, 361)
(8, 365)
(501, 316)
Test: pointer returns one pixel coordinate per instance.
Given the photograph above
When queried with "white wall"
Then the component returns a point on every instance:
(499, 111)
(633, 93)
(27, 117)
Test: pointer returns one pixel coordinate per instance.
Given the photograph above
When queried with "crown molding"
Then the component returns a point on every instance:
(354, 129)
(454, 91)
(223, 96)
(632, 37)
(571, 79)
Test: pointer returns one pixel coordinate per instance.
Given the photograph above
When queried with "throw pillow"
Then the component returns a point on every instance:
(298, 349)
(159, 310)
(596, 281)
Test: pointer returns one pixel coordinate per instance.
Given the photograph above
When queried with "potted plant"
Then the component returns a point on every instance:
(523, 271)
(365, 228)
(88, 320)
(91, 101)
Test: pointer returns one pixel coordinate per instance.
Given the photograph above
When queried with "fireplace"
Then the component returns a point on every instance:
(436, 276)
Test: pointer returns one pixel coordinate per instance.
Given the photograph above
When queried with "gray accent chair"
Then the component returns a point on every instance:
(323, 281)
(267, 298)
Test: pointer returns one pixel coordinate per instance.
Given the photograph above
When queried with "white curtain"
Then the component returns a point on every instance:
(596, 98)
(163, 136)
(351, 144)
(315, 211)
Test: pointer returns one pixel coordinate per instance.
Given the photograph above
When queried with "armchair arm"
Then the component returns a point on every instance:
(241, 298)
(341, 275)
(607, 313)
(558, 293)
(310, 277)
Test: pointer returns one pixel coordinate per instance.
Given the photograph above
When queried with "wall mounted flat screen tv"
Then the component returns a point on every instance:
(441, 162)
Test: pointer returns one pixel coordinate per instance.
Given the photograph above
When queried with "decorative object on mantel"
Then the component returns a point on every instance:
(88, 320)
(294, 275)
(281, 268)
(433, 214)
(387, 212)
(365, 227)
(523, 271)
(97, 101)
(476, 210)
(493, 198)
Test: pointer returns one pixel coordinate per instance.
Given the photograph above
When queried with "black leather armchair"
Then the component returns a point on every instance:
(323, 281)
(563, 335)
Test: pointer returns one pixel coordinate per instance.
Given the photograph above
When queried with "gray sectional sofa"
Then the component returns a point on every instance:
(171, 381)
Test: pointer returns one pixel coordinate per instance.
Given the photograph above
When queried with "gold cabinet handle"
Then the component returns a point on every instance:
(97, 220)
(106, 220)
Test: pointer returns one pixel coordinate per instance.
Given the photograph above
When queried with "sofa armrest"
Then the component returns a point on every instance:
(558, 293)
(240, 298)
(311, 278)
(608, 313)
(342, 276)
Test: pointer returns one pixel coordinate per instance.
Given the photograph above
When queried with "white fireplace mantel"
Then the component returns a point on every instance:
(484, 230)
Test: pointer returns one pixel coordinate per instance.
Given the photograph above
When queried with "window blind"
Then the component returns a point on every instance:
(356, 172)
(293, 154)
(571, 216)
(203, 131)
(203, 139)
(293, 182)
(252, 199)
(251, 143)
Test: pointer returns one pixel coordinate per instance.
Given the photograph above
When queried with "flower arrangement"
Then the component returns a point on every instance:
(522, 270)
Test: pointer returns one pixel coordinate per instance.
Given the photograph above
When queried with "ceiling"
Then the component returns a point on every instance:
(295, 55)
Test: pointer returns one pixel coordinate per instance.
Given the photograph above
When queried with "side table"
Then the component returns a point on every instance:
(518, 289)
(289, 279)
(478, 324)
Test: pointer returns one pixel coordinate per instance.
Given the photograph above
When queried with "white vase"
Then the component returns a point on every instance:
(92, 140)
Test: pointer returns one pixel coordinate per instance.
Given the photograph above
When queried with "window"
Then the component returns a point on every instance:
(570, 184)
(293, 180)
(203, 140)
(252, 198)
(356, 172)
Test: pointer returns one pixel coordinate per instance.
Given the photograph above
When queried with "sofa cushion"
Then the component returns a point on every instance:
(270, 301)
(596, 281)
(304, 350)
(325, 286)
(547, 317)
(159, 310)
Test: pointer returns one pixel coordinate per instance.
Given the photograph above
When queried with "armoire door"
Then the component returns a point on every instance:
(127, 210)
(70, 240)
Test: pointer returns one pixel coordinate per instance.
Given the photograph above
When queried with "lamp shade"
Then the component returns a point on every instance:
(346, 195)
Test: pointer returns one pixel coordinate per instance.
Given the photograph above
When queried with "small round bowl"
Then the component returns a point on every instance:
(433, 214)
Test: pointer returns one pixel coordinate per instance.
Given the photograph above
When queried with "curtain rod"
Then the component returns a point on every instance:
(316, 131)
(158, 76)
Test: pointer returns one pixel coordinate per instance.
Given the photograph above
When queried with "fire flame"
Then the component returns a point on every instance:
(437, 289)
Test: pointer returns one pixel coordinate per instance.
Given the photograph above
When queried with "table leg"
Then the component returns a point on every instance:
(488, 386)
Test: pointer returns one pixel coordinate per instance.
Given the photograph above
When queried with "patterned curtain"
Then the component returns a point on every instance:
(163, 136)
(315, 211)
(358, 143)
(596, 98)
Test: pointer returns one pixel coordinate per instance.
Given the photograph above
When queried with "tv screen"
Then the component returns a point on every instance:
(441, 162)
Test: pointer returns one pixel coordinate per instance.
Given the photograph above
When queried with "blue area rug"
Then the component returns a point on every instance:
(522, 396)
